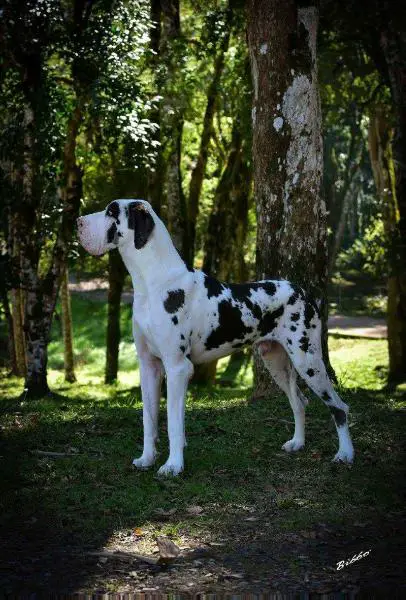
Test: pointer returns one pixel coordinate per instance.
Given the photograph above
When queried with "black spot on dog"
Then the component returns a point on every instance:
(141, 222)
(182, 337)
(293, 328)
(310, 372)
(231, 326)
(289, 341)
(294, 298)
(174, 300)
(188, 355)
(113, 210)
(111, 233)
(309, 313)
(295, 317)
(175, 320)
(326, 396)
(270, 320)
(339, 415)
(214, 287)
(182, 349)
(269, 287)
(304, 343)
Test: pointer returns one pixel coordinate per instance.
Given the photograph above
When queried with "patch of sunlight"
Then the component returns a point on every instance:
(359, 362)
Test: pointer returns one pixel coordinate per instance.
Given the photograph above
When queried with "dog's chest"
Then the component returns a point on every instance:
(144, 317)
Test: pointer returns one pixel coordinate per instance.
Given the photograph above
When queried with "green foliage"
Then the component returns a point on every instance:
(367, 254)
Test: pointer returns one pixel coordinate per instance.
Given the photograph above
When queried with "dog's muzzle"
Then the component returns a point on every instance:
(90, 238)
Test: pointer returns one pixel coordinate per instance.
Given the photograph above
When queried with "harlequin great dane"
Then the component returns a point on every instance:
(182, 317)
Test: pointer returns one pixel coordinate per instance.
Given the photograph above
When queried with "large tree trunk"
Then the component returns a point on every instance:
(67, 328)
(198, 172)
(117, 273)
(393, 43)
(287, 148)
(171, 119)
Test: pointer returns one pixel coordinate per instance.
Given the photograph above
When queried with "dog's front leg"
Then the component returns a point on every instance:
(151, 372)
(177, 379)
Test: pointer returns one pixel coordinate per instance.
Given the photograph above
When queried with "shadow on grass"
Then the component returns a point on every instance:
(282, 521)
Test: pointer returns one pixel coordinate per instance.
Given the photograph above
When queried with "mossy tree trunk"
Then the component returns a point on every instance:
(287, 148)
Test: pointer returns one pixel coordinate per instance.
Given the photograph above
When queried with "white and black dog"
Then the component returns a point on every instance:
(182, 317)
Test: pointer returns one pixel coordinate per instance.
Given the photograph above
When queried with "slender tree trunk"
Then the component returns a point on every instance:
(393, 43)
(337, 218)
(287, 148)
(171, 119)
(17, 299)
(117, 273)
(227, 229)
(228, 221)
(196, 180)
(156, 176)
(42, 293)
(67, 328)
(379, 143)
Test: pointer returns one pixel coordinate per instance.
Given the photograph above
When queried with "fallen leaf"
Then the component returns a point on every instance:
(194, 510)
(165, 513)
(168, 550)
(138, 532)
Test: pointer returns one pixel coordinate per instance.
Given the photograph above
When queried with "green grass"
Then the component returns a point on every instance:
(233, 458)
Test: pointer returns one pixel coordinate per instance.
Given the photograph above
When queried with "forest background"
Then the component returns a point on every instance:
(270, 138)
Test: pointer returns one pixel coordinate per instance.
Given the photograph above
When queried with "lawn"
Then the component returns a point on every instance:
(246, 515)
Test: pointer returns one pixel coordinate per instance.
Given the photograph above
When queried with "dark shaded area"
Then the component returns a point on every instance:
(44, 546)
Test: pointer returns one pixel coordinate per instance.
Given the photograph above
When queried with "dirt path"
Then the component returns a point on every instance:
(356, 326)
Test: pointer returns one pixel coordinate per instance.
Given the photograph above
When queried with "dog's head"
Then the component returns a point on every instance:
(123, 222)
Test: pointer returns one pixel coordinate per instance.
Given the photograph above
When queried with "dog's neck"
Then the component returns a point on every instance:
(156, 263)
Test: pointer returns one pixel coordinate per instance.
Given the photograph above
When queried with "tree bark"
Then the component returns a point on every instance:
(393, 44)
(117, 273)
(287, 147)
(67, 328)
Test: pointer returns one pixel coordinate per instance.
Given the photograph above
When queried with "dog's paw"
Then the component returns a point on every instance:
(293, 445)
(144, 462)
(344, 456)
(170, 469)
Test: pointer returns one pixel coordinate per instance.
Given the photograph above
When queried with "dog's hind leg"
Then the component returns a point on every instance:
(278, 363)
(311, 368)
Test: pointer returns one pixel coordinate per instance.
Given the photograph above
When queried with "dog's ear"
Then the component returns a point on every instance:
(141, 221)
